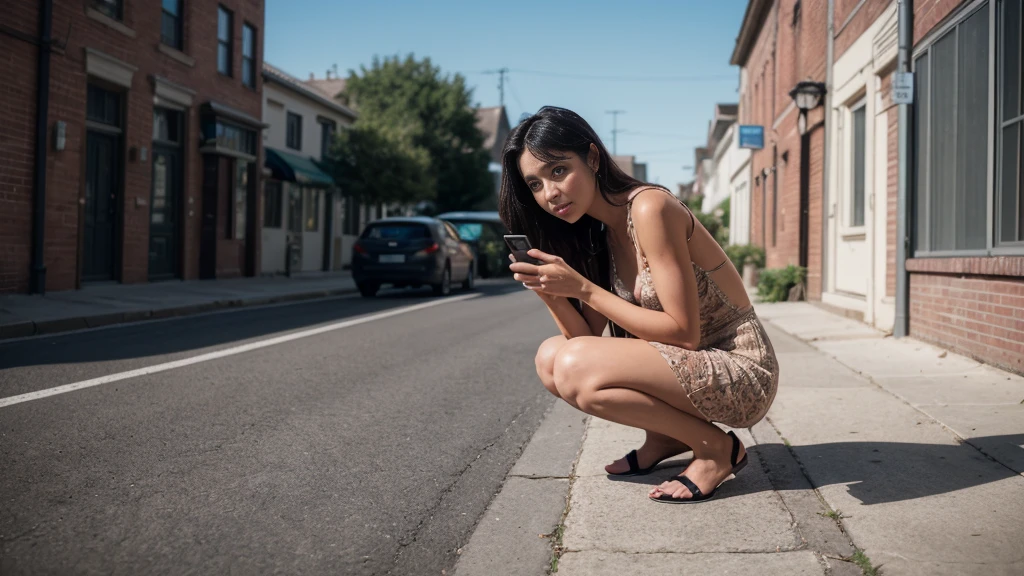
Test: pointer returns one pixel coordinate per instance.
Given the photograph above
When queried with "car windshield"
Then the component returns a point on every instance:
(469, 231)
(397, 231)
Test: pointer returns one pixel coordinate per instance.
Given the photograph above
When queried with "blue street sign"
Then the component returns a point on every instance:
(752, 137)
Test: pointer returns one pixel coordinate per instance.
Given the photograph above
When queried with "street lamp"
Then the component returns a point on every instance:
(807, 96)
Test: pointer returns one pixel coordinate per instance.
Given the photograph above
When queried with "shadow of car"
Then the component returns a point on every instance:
(483, 231)
(411, 252)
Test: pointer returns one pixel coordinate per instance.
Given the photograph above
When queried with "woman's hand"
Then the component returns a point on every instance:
(552, 277)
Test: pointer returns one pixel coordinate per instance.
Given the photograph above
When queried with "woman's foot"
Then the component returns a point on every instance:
(707, 473)
(655, 449)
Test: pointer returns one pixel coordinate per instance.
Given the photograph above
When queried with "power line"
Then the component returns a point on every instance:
(615, 128)
(502, 72)
(515, 94)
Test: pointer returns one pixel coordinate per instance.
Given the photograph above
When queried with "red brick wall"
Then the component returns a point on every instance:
(982, 317)
(787, 51)
(856, 23)
(17, 144)
(66, 169)
(930, 13)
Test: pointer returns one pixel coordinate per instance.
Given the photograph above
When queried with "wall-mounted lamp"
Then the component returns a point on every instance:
(807, 96)
(60, 135)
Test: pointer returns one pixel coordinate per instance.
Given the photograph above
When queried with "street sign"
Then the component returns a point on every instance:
(903, 88)
(751, 137)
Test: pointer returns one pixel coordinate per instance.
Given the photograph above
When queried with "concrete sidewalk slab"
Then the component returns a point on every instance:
(798, 563)
(810, 323)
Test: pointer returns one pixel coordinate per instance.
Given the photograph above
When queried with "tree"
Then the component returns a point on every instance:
(434, 113)
(375, 165)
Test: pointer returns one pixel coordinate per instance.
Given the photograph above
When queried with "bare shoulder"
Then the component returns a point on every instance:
(658, 208)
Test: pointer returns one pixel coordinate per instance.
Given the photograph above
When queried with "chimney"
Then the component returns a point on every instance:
(328, 73)
(311, 77)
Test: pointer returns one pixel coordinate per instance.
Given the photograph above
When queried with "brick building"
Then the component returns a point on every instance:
(965, 202)
(780, 44)
(149, 148)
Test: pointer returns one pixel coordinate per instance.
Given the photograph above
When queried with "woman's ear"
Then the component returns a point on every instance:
(594, 158)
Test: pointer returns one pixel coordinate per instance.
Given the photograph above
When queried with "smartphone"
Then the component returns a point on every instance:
(520, 245)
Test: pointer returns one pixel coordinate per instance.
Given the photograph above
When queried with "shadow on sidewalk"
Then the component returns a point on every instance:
(874, 472)
(187, 333)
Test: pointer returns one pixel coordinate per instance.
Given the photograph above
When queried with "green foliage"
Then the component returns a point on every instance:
(374, 164)
(774, 284)
(433, 115)
(741, 254)
(724, 209)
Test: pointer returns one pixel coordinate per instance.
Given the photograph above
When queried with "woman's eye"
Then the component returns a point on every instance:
(558, 171)
(534, 185)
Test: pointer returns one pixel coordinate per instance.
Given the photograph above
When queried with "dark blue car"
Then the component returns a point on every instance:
(413, 252)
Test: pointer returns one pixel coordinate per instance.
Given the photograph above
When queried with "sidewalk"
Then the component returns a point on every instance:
(876, 452)
(101, 305)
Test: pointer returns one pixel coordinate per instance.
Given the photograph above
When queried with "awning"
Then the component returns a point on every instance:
(294, 168)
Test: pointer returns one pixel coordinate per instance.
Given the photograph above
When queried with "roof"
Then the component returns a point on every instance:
(753, 20)
(490, 121)
(725, 116)
(407, 219)
(282, 78)
(471, 215)
(329, 87)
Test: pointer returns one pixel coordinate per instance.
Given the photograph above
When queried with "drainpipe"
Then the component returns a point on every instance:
(37, 272)
(901, 327)
(827, 119)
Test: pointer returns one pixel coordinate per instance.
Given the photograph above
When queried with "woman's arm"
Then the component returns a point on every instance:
(569, 320)
(661, 225)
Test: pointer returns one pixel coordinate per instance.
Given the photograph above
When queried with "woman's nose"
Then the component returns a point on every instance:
(551, 191)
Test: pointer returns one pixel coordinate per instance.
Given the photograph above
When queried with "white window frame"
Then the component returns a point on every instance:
(847, 231)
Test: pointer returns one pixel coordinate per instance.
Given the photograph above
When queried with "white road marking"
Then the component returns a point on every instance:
(11, 400)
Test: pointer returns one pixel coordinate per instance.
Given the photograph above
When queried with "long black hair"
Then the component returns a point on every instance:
(550, 135)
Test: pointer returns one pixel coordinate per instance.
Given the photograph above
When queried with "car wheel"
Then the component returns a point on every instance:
(470, 277)
(445, 287)
(368, 289)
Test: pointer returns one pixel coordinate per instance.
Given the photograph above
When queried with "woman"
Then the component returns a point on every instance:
(689, 349)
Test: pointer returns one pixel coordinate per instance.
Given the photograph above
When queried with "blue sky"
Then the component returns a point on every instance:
(679, 49)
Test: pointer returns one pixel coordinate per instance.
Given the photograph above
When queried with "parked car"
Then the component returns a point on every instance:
(484, 232)
(411, 251)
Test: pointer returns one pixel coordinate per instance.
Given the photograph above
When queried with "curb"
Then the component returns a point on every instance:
(60, 325)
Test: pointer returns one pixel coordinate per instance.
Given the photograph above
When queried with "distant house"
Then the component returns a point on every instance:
(304, 216)
(630, 166)
(493, 123)
(725, 173)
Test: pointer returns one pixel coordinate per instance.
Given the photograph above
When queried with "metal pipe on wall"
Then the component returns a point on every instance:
(901, 327)
(37, 270)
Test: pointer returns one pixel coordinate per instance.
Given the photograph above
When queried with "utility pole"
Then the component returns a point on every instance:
(501, 72)
(615, 128)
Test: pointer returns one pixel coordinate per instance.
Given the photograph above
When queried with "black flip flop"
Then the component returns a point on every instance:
(695, 494)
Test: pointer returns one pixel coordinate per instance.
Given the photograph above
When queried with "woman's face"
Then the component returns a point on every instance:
(564, 188)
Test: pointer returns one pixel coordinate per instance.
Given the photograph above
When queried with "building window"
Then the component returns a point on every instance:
(858, 120)
(311, 209)
(103, 106)
(249, 56)
(224, 35)
(293, 138)
(170, 23)
(272, 204)
(951, 148)
(112, 8)
(1009, 201)
(240, 200)
(327, 131)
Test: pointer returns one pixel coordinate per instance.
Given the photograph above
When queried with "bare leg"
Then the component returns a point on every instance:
(627, 381)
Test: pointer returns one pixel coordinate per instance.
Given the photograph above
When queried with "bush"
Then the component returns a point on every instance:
(741, 254)
(774, 284)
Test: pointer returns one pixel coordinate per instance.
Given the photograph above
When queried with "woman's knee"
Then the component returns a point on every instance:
(570, 370)
(545, 361)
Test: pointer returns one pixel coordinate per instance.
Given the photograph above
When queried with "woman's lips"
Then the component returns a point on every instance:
(563, 209)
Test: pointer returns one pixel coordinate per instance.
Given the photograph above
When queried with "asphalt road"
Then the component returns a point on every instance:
(372, 448)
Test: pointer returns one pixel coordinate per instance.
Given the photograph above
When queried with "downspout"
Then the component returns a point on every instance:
(830, 41)
(37, 271)
(901, 327)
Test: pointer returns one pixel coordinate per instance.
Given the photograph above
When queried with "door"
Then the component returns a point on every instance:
(853, 257)
(163, 214)
(208, 233)
(101, 185)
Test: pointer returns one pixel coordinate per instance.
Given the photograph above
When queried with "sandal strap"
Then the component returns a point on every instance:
(694, 491)
(735, 448)
(634, 464)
